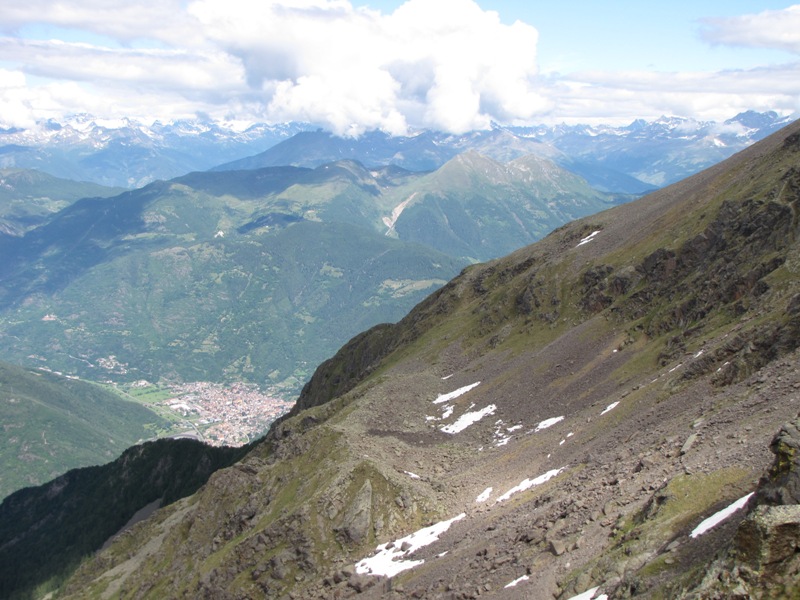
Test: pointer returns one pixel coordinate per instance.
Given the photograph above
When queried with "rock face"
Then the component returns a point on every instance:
(768, 540)
(782, 485)
(763, 558)
(358, 518)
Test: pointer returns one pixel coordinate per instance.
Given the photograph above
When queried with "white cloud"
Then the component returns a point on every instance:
(445, 64)
(124, 21)
(166, 69)
(776, 29)
(593, 97)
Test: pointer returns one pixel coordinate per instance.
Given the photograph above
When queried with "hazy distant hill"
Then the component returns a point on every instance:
(262, 274)
(52, 424)
(29, 197)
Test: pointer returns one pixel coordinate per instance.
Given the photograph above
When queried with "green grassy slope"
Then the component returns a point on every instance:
(52, 424)
(29, 197)
(260, 274)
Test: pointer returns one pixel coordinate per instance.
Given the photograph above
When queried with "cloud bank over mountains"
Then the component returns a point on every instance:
(441, 64)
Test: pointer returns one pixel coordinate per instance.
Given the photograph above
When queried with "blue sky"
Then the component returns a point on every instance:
(355, 65)
(629, 34)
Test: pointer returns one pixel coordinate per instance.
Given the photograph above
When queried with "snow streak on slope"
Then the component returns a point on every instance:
(388, 561)
(455, 394)
(468, 419)
(529, 483)
(719, 517)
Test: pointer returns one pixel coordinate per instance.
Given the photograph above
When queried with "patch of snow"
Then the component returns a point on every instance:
(412, 475)
(590, 595)
(441, 398)
(588, 238)
(388, 560)
(448, 410)
(699, 354)
(484, 495)
(676, 367)
(548, 423)
(446, 377)
(609, 408)
(468, 419)
(514, 428)
(529, 483)
(720, 516)
(516, 581)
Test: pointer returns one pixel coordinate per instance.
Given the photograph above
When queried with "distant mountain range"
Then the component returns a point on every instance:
(130, 154)
(631, 159)
(261, 274)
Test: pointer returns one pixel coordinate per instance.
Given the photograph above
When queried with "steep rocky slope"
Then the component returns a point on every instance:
(561, 419)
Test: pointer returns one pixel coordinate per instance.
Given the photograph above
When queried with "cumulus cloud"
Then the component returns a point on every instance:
(442, 63)
(776, 29)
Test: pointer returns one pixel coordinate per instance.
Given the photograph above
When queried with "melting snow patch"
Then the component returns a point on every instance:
(676, 367)
(515, 427)
(517, 580)
(446, 377)
(590, 595)
(588, 238)
(484, 496)
(388, 561)
(609, 408)
(448, 410)
(412, 475)
(500, 438)
(699, 354)
(548, 423)
(719, 517)
(441, 398)
(529, 483)
(468, 419)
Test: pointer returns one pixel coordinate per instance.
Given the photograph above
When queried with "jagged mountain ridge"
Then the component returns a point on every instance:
(128, 153)
(631, 159)
(631, 369)
(86, 507)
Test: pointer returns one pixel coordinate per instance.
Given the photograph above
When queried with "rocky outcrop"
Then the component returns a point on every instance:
(763, 559)
(781, 486)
